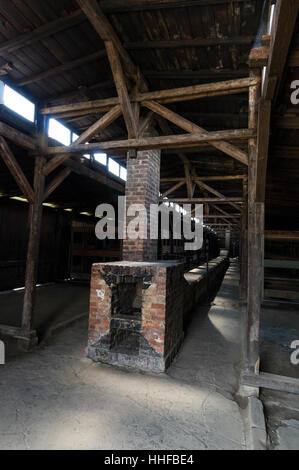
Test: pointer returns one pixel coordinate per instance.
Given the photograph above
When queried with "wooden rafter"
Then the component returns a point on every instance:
(100, 125)
(189, 126)
(221, 211)
(16, 171)
(54, 163)
(121, 87)
(56, 183)
(17, 137)
(173, 189)
(104, 29)
(190, 172)
(145, 123)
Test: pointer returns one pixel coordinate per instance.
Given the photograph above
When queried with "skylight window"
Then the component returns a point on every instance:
(59, 132)
(18, 103)
(113, 167)
(123, 173)
(101, 158)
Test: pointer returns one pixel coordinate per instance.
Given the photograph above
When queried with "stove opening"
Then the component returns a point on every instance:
(129, 299)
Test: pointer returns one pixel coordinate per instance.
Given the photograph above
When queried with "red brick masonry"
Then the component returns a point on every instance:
(149, 340)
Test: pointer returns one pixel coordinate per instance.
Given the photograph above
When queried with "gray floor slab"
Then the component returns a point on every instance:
(280, 327)
(55, 398)
(54, 303)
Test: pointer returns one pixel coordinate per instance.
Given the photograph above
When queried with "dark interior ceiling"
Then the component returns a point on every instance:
(175, 44)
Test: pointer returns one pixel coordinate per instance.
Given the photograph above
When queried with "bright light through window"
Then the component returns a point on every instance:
(19, 104)
(113, 167)
(74, 137)
(123, 173)
(272, 13)
(101, 158)
(59, 132)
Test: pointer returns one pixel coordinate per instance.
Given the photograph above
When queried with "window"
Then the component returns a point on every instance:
(18, 103)
(101, 158)
(123, 173)
(113, 167)
(74, 137)
(59, 132)
(271, 20)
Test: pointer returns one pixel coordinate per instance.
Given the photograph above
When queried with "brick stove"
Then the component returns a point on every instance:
(136, 305)
(136, 314)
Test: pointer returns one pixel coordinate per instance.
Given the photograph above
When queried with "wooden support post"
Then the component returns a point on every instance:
(255, 283)
(35, 219)
(244, 244)
(255, 237)
(227, 239)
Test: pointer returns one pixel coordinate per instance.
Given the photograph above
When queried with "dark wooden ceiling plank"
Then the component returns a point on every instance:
(62, 68)
(42, 32)
(200, 42)
(117, 6)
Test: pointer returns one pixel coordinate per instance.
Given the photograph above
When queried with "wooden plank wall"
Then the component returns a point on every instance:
(55, 242)
(282, 270)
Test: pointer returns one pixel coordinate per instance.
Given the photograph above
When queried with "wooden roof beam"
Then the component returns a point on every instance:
(100, 125)
(206, 178)
(121, 87)
(17, 137)
(105, 30)
(188, 126)
(199, 42)
(204, 200)
(173, 189)
(16, 171)
(111, 6)
(162, 96)
(56, 182)
(164, 142)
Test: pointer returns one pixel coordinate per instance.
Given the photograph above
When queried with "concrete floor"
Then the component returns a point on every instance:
(56, 398)
(55, 303)
(280, 327)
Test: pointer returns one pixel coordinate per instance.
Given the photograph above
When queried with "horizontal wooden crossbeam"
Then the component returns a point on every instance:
(272, 382)
(173, 141)
(204, 200)
(205, 178)
(281, 235)
(164, 96)
(114, 6)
